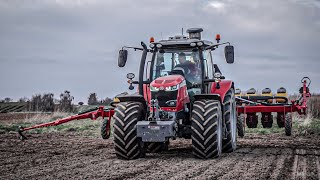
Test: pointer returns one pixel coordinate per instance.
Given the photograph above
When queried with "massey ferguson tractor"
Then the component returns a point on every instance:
(181, 93)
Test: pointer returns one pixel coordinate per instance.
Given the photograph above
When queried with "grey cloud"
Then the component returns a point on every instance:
(77, 42)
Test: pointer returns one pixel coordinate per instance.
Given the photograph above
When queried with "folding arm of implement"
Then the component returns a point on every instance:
(92, 114)
(299, 105)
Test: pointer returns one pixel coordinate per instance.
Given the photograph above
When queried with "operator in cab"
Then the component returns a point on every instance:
(190, 69)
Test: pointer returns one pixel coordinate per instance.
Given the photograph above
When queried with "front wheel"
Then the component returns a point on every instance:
(127, 145)
(206, 127)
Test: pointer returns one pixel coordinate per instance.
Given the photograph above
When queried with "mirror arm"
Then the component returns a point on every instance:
(136, 48)
(216, 45)
(129, 47)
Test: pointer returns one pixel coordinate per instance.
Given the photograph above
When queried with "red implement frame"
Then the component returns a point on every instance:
(299, 106)
(93, 115)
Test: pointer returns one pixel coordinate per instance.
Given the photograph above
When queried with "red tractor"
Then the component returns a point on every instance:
(181, 93)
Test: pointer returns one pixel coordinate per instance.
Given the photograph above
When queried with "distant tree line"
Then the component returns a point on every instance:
(93, 100)
(47, 103)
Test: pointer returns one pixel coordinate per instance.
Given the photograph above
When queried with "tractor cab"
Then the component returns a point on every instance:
(180, 68)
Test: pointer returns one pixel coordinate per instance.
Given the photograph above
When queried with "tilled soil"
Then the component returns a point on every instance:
(70, 156)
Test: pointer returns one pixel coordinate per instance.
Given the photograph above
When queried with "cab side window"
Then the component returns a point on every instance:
(208, 66)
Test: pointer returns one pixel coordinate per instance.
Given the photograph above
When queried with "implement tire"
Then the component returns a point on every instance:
(266, 120)
(105, 132)
(252, 120)
(229, 144)
(206, 127)
(240, 125)
(280, 119)
(126, 143)
(288, 124)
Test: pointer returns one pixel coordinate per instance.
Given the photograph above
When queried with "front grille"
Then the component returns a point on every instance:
(164, 96)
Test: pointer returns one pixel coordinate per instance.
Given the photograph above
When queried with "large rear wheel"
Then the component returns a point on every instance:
(206, 127)
(230, 118)
(127, 145)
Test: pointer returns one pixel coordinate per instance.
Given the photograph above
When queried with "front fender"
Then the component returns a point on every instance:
(225, 85)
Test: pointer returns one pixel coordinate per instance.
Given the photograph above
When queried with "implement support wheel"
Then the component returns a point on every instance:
(240, 125)
(252, 120)
(288, 124)
(105, 130)
(280, 119)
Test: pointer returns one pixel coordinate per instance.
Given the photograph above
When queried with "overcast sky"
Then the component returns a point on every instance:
(56, 45)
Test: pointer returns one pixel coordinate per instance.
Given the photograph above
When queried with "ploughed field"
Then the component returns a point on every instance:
(66, 155)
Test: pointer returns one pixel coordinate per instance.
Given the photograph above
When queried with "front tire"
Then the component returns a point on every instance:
(206, 127)
(230, 118)
(127, 145)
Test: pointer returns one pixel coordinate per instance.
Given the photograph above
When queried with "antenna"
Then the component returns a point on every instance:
(182, 31)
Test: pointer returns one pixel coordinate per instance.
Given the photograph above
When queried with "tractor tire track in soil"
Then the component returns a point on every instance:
(71, 156)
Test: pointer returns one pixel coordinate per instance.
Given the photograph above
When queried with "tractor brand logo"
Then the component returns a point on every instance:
(161, 88)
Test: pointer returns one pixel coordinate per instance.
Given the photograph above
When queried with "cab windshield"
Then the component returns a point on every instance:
(184, 61)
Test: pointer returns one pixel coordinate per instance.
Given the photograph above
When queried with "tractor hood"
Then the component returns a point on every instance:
(166, 81)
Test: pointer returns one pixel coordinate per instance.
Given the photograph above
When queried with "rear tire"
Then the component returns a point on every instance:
(240, 125)
(230, 118)
(105, 132)
(127, 145)
(288, 124)
(206, 127)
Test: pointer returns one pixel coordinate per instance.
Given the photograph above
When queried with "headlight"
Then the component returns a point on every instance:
(172, 88)
(154, 88)
(192, 44)
(159, 45)
(151, 45)
(200, 43)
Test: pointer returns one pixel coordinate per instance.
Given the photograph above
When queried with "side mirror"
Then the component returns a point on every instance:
(122, 59)
(229, 54)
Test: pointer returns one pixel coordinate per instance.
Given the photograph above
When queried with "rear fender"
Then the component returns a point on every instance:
(207, 96)
(225, 85)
